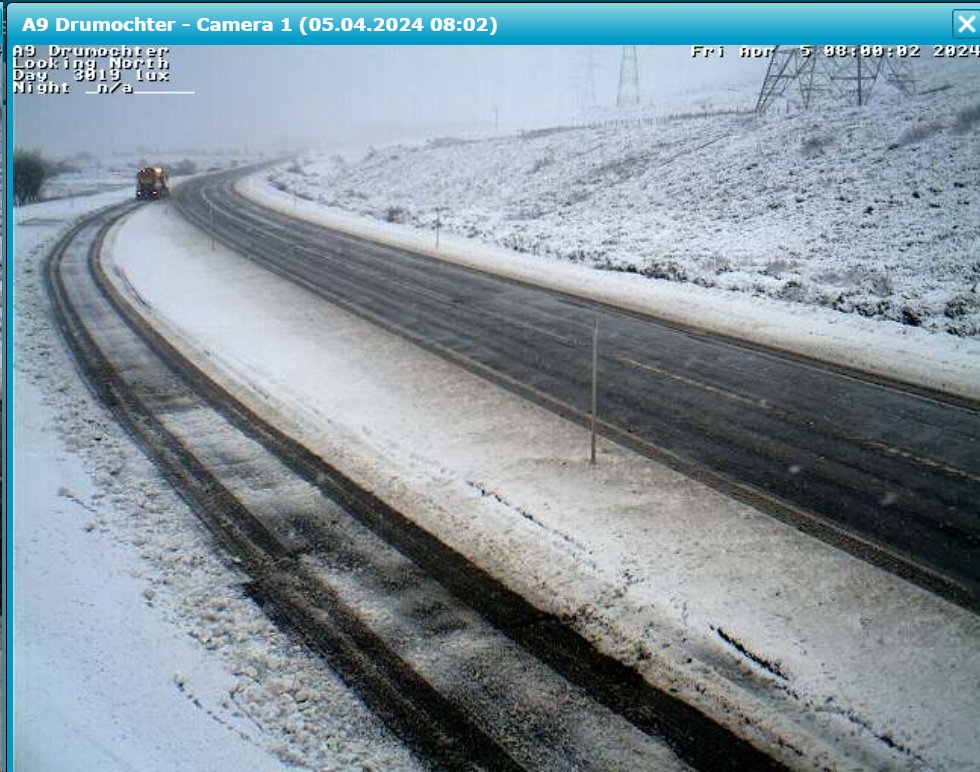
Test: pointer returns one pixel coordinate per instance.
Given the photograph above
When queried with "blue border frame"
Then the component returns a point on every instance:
(6, 758)
(518, 24)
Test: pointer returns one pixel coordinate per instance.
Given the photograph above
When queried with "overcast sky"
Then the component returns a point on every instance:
(248, 97)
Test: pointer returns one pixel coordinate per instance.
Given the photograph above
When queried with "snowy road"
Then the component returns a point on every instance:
(891, 474)
(467, 673)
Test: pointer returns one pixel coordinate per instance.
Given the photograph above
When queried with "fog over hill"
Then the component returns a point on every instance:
(254, 97)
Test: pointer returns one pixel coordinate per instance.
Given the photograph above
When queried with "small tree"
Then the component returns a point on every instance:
(30, 171)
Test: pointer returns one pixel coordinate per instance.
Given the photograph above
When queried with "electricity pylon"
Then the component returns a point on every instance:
(814, 74)
(629, 78)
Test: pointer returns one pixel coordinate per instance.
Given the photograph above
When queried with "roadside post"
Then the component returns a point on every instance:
(595, 379)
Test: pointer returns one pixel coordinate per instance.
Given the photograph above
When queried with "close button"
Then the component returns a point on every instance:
(966, 23)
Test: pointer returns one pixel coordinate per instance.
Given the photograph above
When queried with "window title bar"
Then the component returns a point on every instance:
(490, 23)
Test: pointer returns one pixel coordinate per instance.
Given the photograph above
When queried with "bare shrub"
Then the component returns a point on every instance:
(775, 268)
(622, 169)
(962, 304)
(395, 214)
(919, 132)
(542, 163)
(967, 118)
(811, 147)
(793, 291)
(880, 284)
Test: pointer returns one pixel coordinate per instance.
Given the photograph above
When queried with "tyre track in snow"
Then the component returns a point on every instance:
(468, 674)
(890, 474)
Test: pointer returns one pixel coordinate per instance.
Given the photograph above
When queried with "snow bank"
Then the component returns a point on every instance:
(101, 680)
(134, 644)
(744, 616)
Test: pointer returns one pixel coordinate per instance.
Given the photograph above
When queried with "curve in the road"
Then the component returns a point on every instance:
(469, 674)
(890, 474)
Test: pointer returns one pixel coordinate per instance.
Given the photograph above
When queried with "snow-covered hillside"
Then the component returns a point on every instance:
(872, 210)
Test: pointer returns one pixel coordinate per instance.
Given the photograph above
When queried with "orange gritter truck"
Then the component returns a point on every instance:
(151, 182)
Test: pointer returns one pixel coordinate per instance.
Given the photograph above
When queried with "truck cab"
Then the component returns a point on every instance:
(151, 183)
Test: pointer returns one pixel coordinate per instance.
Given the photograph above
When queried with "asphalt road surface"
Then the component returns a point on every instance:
(892, 474)
(469, 675)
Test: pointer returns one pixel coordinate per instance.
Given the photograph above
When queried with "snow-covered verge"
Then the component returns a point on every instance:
(134, 645)
(944, 362)
(781, 635)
